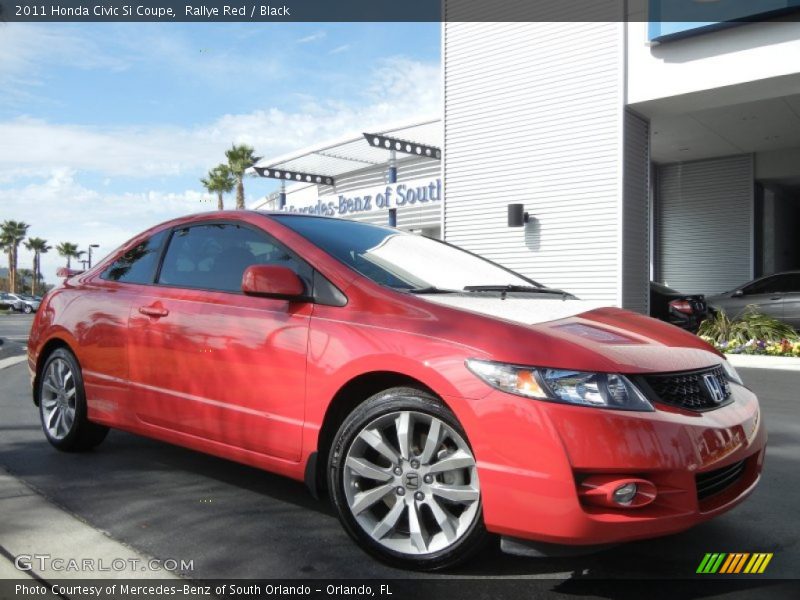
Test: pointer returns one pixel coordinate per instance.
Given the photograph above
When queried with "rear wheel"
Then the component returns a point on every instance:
(62, 405)
(27, 309)
(405, 483)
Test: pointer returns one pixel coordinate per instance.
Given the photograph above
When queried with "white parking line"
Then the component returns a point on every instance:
(11, 361)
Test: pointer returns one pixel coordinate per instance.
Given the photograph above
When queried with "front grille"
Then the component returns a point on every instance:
(690, 389)
(713, 482)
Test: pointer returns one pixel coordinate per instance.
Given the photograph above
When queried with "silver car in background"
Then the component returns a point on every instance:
(776, 295)
(20, 302)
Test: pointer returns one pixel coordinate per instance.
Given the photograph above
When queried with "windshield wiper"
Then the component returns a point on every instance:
(530, 289)
(430, 290)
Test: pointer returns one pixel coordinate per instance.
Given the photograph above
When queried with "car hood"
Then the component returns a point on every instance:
(620, 340)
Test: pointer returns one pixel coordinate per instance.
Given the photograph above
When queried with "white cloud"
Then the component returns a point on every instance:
(60, 209)
(151, 151)
(340, 49)
(318, 35)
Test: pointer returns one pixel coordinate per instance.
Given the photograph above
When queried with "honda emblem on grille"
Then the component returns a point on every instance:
(714, 388)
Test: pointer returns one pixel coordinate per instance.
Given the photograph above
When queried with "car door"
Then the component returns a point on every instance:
(210, 362)
(765, 294)
(790, 283)
(101, 335)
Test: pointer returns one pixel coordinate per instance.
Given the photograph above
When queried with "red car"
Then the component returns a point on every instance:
(436, 396)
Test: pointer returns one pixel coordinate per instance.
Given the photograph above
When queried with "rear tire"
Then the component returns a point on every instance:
(404, 482)
(27, 309)
(62, 405)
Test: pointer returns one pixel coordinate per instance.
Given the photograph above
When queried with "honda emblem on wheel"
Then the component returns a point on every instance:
(412, 481)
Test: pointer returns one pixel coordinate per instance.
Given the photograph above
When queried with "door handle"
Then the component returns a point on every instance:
(153, 311)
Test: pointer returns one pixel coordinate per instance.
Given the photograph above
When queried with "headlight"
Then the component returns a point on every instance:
(603, 390)
(731, 373)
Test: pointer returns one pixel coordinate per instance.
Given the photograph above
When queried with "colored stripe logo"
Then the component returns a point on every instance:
(735, 562)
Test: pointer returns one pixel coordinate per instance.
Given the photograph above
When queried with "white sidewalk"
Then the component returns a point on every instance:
(750, 361)
(34, 530)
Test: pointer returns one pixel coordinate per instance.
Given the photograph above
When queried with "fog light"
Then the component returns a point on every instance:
(616, 491)
(625, 494)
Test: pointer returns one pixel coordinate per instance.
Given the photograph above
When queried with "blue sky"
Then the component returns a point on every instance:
(105, 129)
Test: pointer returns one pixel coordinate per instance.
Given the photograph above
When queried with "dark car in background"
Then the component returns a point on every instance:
(686, 311)
(776, 295)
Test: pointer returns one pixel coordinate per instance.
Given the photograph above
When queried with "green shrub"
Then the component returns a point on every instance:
(750, 325)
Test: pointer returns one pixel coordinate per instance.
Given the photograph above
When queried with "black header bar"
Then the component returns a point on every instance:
(277, 11)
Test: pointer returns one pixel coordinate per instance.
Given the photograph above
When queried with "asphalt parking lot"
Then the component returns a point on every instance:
(235, 521)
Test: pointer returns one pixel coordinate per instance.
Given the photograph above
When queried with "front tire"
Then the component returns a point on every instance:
(404, 481)
(27, 309)
(62, 405)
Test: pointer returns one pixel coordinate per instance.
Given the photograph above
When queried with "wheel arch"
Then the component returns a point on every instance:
(353, 393)
(46, 350)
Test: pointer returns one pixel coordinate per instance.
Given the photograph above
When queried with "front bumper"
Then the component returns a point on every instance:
(530, 466)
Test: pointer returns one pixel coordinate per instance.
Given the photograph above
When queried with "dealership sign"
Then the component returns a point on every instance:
(418, 192)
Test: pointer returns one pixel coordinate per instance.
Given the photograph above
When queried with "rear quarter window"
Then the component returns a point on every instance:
(138, 264)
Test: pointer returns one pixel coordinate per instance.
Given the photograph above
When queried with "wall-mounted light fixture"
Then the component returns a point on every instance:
(517, 217)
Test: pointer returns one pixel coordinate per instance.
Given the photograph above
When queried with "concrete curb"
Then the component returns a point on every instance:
(750, 361)
(58, 545)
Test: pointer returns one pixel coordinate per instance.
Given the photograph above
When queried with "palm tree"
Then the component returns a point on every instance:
(11, 235)
(69, 251)
(220, 181)
(38, 246)
(240, 158)
(23, 277)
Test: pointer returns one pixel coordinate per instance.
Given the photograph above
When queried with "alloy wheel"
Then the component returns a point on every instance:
(411, 483)
(59, 395)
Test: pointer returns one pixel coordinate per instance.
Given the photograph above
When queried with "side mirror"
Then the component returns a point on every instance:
(66, 273)
(273, 281)
(738, 294)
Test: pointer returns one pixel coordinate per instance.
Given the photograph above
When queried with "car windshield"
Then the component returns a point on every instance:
(404, 260)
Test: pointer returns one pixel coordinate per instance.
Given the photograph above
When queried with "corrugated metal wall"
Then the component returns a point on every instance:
(704, 224)
(534, 114)
(635, 215)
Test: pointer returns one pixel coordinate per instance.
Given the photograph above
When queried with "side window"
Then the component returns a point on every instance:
(789, 282)
(137, 265)
(214, 257)
(764, 286)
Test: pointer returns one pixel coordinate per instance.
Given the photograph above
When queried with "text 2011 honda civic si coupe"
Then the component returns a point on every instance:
(435, 395)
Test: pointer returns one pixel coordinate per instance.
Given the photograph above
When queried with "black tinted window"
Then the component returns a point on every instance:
(789, 282)
(214, 257)
(137, 265)
(769, 285)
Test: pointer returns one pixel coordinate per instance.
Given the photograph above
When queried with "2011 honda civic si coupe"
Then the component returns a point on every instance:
(437, 396)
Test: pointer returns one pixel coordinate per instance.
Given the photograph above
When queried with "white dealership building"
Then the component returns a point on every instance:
(640, 150)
